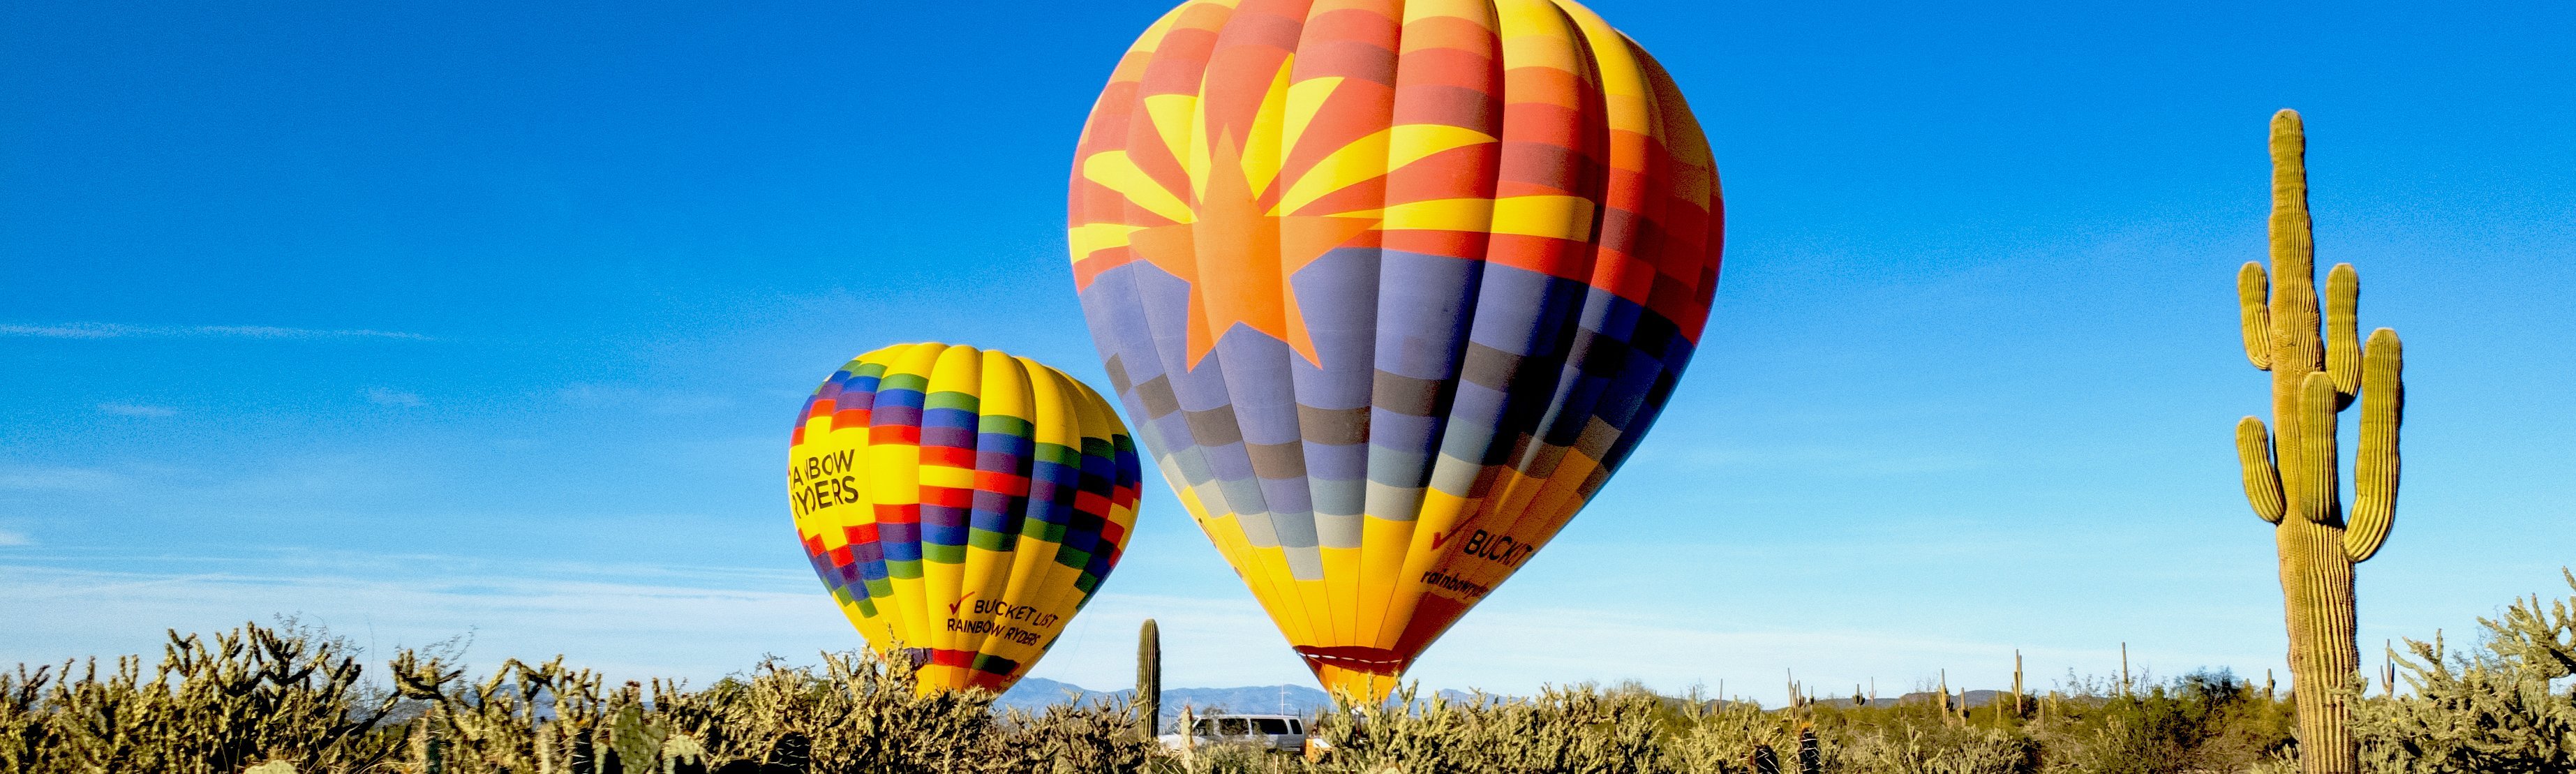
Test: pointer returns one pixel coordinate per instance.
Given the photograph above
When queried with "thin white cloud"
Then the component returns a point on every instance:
(91, 330)
(1846, 461)
(58, 479)
(11, 538)
(137, 410)
(628, 629)
(391, 397)
(587, 395)
(703, 624)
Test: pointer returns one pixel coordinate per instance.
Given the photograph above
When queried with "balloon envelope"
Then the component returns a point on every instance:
(1390, 288)
(960, 505)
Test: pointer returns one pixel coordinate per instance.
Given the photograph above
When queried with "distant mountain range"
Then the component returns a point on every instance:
(1036, 693)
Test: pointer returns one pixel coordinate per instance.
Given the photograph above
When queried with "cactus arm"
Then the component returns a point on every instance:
(2253, 293)
(2383, 407)
(2343, 348)
(2314, 487)
(2262, 482)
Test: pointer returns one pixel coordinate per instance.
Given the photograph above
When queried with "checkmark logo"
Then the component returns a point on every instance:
(961, 602)
(1438, 538)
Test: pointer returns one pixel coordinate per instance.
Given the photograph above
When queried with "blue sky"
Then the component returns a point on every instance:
(491, 317)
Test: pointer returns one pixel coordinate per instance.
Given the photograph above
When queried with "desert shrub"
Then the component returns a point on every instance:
(1940, 749)
(2204, 722)
(2507, 706)
(1579, 730)
(1723, 741)
(208, 707)
(259, 695)
(290, 697)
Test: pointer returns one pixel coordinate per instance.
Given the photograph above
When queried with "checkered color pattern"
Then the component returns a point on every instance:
(961, 505)
(1390, 289)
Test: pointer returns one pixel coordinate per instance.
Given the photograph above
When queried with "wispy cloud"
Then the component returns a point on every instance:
(137, 410)
(91, 330)
(588, 395)
(1847, 461)
(383, 396)
(11, 538)
(630, 629)
(58, 479)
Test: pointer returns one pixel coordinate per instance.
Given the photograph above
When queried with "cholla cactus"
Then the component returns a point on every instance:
(2289, 471)
(2505, 705)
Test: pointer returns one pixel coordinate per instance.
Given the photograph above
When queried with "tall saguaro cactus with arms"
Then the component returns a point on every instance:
(2290, 471)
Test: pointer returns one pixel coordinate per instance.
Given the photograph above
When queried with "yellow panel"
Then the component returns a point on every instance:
(1469, 215)
(1090, 238)
(1408, 143)
(1117, 172)
(1536, 34)
(1623, 82)
(1362, 159)
(1561, 217)
(1305, 99)
(1319, 612)
(1342, 591)
(1171, 115)
(1261, 140)
(1383, 543)
(1271, 563)
(1442, 514)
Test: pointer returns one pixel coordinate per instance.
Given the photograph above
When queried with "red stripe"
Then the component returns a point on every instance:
(841, 557)
(1091, 503)
(906, 435)
(1011, 484)
(857, 417)
(951, 497)
(1469, 245)
(864, 533)
(945, 456)
(1561, 258)
(899, 514)
(952, 657)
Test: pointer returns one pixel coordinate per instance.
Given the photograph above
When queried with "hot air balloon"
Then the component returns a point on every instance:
(1390, 289)
(961, 505)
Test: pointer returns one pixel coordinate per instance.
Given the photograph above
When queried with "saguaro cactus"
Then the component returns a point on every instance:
(2290, 474)
(1149, 678)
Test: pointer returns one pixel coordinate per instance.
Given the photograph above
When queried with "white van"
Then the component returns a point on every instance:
(1284, 733)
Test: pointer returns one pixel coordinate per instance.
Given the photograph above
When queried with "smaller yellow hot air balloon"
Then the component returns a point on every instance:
(960, 504)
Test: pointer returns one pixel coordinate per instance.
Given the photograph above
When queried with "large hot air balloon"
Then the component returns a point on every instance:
(1390, 289)
(961, 505)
